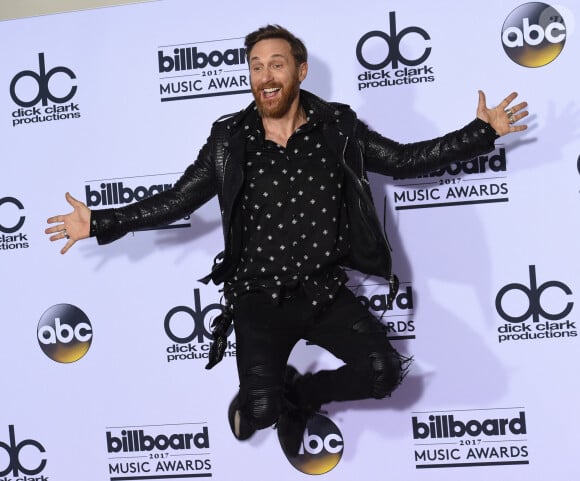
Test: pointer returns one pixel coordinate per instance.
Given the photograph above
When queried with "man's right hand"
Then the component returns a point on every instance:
(73, 226)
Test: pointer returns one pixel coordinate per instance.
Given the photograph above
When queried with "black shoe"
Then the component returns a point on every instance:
(291, 426)
(293, 420)
(290, 377)
(241, 429)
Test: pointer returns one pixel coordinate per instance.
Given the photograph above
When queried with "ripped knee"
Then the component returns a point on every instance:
(263, 400)
(388, 371)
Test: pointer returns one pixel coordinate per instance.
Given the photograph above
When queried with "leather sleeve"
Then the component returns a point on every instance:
(388, 157)
(196, 186)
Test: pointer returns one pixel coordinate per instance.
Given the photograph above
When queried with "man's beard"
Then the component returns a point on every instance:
(282, 104)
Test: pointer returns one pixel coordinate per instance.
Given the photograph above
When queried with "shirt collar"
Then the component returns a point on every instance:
(253, 128)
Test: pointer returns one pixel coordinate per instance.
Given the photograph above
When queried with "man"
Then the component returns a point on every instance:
(290, 175)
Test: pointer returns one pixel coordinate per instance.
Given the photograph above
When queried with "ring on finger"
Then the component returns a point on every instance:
(510, 116)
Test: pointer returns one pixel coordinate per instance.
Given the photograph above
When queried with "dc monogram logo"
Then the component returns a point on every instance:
(393, 43)
(9, 229)
(533, 294)
(42, 79)
(202, 318)
(13, 449)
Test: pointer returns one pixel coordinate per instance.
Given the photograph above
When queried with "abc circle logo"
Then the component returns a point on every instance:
(15, 463)
(9, 229)
(64, 333)
(393, 43)
(533, 295)
(533, 34)
(321, 448)
(44, 87)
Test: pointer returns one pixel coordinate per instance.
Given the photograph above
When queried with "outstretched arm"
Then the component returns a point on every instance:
(195, 187)
(388, 157)
(502, 118)
(73, 226)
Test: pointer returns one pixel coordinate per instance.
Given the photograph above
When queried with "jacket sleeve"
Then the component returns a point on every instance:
(388, 157)
(196, 186)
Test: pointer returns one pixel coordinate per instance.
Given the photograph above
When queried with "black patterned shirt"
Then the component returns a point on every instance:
(295, 230)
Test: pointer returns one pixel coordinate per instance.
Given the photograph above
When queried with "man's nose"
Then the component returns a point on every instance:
(268, 75)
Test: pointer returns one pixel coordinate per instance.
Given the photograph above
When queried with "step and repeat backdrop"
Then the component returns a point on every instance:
(104, 349)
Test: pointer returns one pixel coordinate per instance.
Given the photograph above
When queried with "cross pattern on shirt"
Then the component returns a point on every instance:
(293, 215)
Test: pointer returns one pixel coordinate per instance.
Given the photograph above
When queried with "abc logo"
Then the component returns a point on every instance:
(533, 34)
(321, 448)
(64, 333)
(12, 226)
(43, 81)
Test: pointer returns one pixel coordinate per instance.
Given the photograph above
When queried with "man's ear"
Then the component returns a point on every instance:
(302, 71)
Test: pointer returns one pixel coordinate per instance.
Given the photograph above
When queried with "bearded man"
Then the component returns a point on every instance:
(290, 172)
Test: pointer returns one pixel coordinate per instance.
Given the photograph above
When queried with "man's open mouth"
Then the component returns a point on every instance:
(270, 92)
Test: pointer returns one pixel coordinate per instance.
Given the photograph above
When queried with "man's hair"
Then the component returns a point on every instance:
(298, 48)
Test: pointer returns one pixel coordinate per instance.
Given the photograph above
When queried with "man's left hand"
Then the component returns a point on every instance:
(502, 118)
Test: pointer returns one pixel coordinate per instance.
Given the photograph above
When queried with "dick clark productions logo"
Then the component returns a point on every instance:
(380, 53)
(11, 222)
(191, 330)
(545, 304)
(50, 88)
(13, 453)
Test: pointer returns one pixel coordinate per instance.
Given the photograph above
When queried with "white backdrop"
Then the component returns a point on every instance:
(509, 245)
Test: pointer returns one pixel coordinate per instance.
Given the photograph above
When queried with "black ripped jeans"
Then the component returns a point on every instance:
(266, 333)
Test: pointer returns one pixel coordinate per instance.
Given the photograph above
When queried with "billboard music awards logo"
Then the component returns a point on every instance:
(381, 54)
(11, 222)
(533, 34)
(44, 95)
(126, 190)
(399, 319)
(481, 180)
(203, 69)
(64, 333)
(190, 331)
(170, 451)
(470, 438)
(535, 310)
(21, 460)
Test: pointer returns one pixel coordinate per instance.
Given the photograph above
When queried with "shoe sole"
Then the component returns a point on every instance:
(237, 422)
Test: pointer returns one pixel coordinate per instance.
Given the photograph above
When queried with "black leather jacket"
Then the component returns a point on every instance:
(219, 170)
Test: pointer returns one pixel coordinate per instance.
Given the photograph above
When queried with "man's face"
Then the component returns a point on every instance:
(274, 76)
